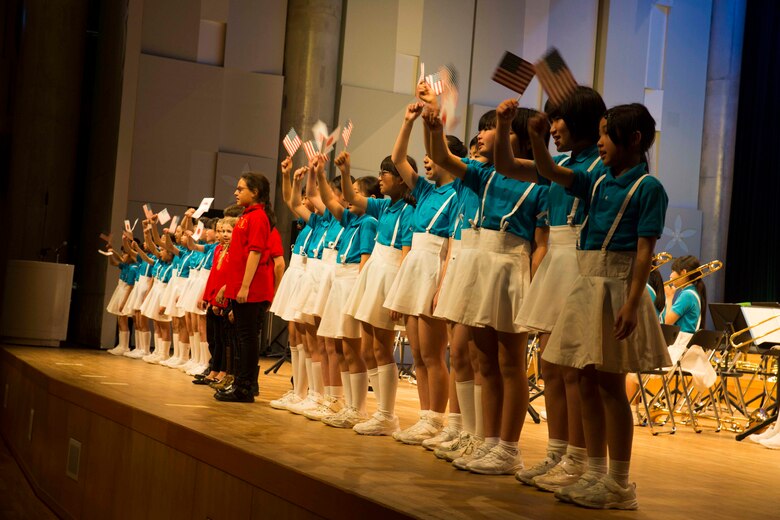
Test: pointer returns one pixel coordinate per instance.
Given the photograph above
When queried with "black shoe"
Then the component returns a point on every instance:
(203, 381)
(235, 394)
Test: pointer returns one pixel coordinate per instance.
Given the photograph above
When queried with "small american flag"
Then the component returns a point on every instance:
(555, 77)
(514, 73)
(291, 142)
(330, 142)
(311, 148)
(435, 82)
(347, 133)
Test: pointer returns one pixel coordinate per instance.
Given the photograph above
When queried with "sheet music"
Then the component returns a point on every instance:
(754, 315)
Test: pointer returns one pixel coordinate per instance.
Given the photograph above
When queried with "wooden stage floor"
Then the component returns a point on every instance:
(272, 455)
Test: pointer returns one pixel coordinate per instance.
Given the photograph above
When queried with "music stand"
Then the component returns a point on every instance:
(763, 346)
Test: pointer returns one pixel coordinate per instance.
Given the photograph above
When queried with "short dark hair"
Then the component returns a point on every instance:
(233, 210)
(258, 183)
(369, 186)
(520, 125)
(487, 121)
(388, 166)
(581, 111)
(624, 120)
(456, 146)
(335, 182)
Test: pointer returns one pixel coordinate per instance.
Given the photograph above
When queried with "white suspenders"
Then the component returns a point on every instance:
(480, 217)
(306, 242)
(438, 213)
(576, 204)
(397, 223)
(620, 213)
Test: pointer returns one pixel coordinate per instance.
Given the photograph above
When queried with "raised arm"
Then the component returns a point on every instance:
(295, 198)
(537, 127)
(286, 184)
(154, 231)
(190, 243)
(351, 196)
(503, 158)
(328, 198)
(399, 156)
(140, 251)
(312, 192)
(440, 153)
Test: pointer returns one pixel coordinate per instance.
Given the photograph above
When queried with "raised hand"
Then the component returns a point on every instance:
(286, 166)
(300, 173)
(507, 110)
(413, 111)
(425, 93)
(432, 119)
(538, 125)
(343, 163)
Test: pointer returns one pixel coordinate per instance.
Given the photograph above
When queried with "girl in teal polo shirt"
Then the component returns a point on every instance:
(354, 250)
(494, 272)
(574, 129)
(419, 279)
(686, 308)
(394, 213)
(608, 327)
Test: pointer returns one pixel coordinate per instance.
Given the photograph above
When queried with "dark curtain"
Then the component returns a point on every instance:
(753, 257)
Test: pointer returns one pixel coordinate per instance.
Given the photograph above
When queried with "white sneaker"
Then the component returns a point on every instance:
(450, 451)
(170, 362)
(426, 429)
(118, 351)
(336, 416)
(527, 476)
(326, 408)
(608, 494)
(758, 437)
(566, 473)
(378, 424)
(772, 442)
(475, 450)
(397, 435)
(348, 419)
(498, 461)
(287, 399)
(588, 479)
(448, 434)
(154, 357)
(136, 354)
(311, 402)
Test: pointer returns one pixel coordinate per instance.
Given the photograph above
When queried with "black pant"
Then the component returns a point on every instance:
(212, 335)
(249, 324)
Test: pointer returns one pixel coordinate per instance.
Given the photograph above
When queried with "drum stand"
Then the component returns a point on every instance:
(769, 420)
(285, 356)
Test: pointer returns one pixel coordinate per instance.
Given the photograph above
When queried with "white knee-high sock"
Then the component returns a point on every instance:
(316, 378)
(388, 388)
(147, 341)
(165, 350)
(465, 391)
(373, 380)
(359, 383)
(124, 339)
(346, 385)
(479, 425)
(307, 369)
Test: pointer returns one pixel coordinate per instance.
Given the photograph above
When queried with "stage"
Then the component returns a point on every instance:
(153, 445)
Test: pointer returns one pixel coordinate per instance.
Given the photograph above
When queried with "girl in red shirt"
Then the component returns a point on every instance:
(249, 281)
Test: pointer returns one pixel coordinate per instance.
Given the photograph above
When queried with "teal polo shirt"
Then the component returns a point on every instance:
(468, 207)
(687, 306)
(500, 198)
(358, 239)
(387, 215)
(559, 202)
(429, 199)
(644, 216)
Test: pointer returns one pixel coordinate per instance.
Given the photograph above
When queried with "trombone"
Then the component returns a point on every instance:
(703, 270)
(660, 259)
(738, 333)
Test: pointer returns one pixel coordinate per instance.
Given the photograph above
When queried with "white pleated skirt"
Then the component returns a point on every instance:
(151, 306)
(584, 333)
(315, 305)
(172, 294)
(282, 304)
(552, 282)
(415, 285)
(366, 303)
(137, 295)
(118, 298)
(491, 280)
(448, 288)
(335, 322)
(193, 293)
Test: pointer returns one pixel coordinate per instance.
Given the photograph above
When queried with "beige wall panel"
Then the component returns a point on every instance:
(203, 169)
(447, 39)
(178, 111)
(410, 28)
(170, 28)
(572, 29)
(216, 10)
(626, 55)
(230, 166)
(251, 111)
(370, 44)
(377, 117)
(255, 35)
(498, 27)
